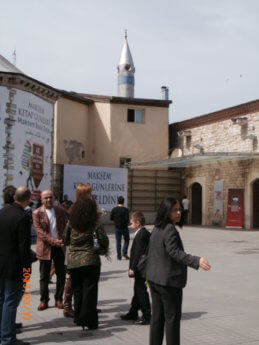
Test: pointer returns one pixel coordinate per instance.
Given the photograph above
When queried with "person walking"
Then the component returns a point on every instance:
(167, 273)
(83, 260)
(140, 299)
(120, 216)
(185, 204)
(15, 243)
(49, 222)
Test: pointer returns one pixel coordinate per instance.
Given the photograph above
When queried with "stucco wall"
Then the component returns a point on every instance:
(139, 141)
(71, 124)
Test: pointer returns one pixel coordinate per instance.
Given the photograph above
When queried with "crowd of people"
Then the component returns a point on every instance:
(70, 241)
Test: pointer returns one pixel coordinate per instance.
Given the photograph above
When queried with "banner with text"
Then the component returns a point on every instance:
(26, 124)
(107, 183)
(218, 203)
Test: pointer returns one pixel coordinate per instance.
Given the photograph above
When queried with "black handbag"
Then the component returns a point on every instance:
(97, 247)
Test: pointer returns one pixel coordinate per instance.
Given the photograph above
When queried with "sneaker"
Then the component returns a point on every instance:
(129, 316)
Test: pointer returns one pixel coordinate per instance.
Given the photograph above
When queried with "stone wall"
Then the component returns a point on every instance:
(232, 173)
(231, 135)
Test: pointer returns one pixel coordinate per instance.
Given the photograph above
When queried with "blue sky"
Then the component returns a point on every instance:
(206, 52)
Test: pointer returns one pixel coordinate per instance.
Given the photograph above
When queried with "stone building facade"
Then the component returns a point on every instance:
(220, 146)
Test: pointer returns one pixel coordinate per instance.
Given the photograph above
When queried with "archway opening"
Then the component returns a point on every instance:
(256, 204)
(196, 204)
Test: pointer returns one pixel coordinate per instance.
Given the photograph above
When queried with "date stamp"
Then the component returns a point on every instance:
(26, 300)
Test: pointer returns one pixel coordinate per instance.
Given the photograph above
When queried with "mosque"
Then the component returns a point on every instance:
(212, 158)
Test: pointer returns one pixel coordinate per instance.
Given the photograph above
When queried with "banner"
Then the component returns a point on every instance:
(218, 203)
(235, 208)
(26, 125)
(107, 183)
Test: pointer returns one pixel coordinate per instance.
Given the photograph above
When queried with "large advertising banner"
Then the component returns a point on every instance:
(218, 203)
(26, 139)
(235, 209)
(107, 183)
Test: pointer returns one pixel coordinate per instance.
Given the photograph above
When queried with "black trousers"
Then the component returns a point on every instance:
(166, 312)
(58, 257)
(85, 287)
(140, 299)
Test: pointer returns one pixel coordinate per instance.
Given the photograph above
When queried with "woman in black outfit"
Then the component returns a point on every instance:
(167, 273)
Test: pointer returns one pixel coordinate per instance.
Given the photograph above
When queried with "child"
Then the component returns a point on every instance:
(140, 298)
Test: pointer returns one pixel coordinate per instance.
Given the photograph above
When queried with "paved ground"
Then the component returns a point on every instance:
(220, 307)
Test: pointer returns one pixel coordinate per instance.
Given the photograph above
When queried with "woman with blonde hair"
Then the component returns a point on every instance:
(83, 259)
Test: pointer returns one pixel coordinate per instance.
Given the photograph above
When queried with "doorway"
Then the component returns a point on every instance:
(196, 204)
(256, 204)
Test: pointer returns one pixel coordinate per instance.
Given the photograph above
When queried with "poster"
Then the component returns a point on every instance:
(107, 183)
(26, 140)
(235, 208)
(217, 218)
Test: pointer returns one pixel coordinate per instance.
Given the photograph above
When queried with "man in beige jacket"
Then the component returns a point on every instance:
(49, 222)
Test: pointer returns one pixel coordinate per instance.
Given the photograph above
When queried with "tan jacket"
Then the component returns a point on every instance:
(42, 228)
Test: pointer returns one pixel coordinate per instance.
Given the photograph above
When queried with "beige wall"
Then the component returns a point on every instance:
(102, 131)
(114, 137)
(71, 123)
(139, 141)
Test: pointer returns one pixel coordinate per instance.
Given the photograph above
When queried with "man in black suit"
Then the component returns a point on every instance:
(139, 247)
(15, 242)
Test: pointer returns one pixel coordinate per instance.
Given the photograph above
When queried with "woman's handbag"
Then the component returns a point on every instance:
(97, 246)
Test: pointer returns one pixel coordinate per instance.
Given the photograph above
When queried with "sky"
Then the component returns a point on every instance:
(206, 52)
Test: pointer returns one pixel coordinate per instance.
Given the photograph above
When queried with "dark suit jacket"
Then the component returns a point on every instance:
(167, 262)
(42, 228)
(15, 242)
(139, 247)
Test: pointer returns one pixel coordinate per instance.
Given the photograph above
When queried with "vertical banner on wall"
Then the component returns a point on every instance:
(26, 124)
(235, 208)
(218, 203)
(107, 183)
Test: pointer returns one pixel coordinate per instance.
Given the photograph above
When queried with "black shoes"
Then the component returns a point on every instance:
(142, 321)
(129, 316)
(126, 257)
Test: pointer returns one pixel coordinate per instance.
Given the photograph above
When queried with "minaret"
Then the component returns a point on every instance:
(126, 70)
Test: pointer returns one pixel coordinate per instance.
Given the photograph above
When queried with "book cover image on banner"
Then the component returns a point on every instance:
(107, 183)
(26, 145)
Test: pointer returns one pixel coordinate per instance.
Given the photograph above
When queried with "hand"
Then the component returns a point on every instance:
(204, 264)
(131, 273)
(59, 243)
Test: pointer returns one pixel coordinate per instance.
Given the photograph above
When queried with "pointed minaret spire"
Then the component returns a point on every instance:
(126, 70)
(14, 57)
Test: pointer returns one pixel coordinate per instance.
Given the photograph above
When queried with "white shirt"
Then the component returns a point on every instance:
(185, 203)
(52, 222)
(137, 231)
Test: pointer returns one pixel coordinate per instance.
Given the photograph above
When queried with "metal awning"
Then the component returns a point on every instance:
(196, 159)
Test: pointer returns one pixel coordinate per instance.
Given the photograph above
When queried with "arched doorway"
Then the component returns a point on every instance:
(196, 204)
(256, 204)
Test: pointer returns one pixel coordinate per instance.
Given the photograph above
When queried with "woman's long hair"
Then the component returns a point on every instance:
(83, 191)
(83, 215)
(164, 211)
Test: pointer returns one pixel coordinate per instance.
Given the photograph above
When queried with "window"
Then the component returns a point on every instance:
(136, 115)
(124, 162)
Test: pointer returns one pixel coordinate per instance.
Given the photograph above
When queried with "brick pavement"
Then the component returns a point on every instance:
(220, 307)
